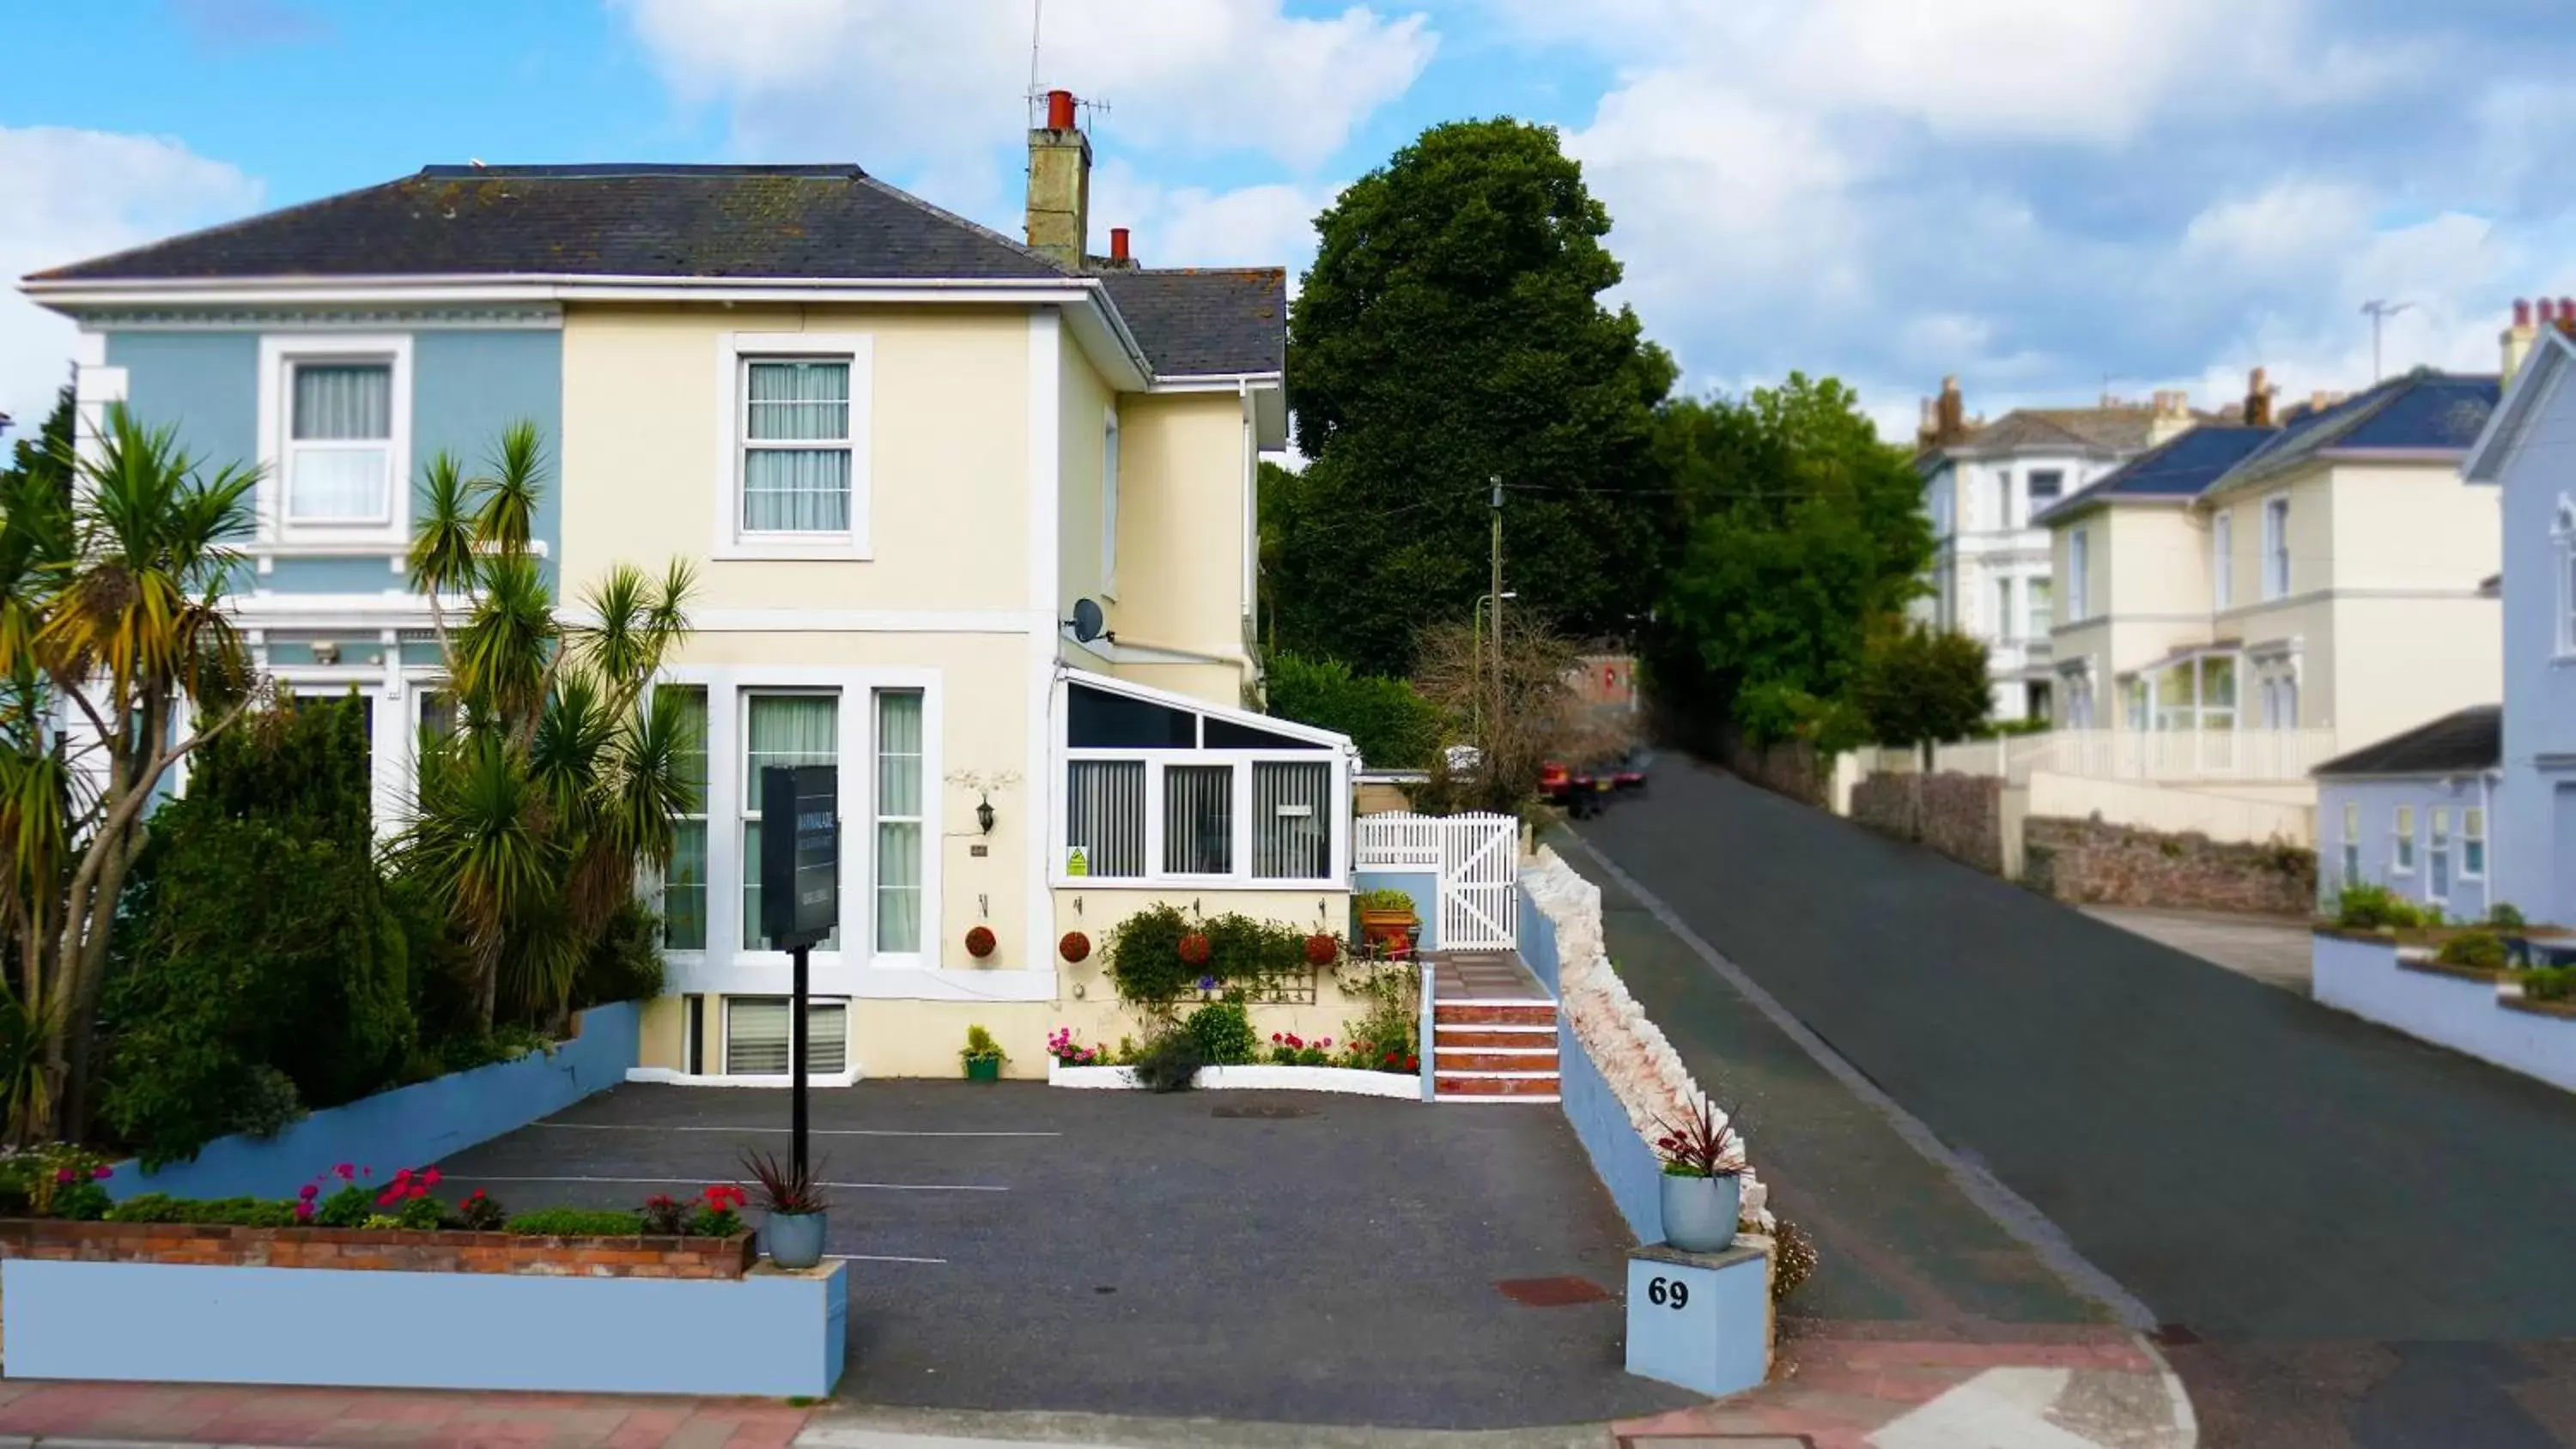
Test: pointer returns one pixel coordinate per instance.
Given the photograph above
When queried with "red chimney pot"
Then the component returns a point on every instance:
(2548, 311)
(2522, 313)
(2567, 309)
(1118, 243)
(1059, 110)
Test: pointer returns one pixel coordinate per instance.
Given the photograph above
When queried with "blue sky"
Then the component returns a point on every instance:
(2042, 197)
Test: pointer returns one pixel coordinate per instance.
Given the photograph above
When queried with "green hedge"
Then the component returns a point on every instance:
(1394, 726)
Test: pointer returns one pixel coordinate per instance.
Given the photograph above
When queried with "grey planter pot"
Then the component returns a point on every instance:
(1700, 1212)
(794, 1240)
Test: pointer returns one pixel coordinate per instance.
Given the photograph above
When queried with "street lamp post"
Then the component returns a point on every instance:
(1476, 657)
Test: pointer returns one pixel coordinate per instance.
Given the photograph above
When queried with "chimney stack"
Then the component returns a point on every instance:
(2172, 416)
(2258, 399)
(1950, 417)
(2518, 337)
(1059, 213)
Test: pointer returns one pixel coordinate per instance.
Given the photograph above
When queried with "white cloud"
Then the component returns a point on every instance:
(71, 195)
(1260, 225)
(941, 86)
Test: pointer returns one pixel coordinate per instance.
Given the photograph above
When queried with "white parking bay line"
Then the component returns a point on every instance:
(650, 1181)
(878, 1258)
(813, 1132)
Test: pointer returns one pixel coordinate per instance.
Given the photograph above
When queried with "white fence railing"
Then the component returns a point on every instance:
(1477, 860)
(2154, 755)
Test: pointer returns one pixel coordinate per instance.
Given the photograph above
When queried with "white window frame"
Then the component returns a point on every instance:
(2563, 534)
(2222, 560)
(735, 351)
(2007, 625)
(2437, 854)
(2031, 503)
(2276, 547)
(2079, 569)
(2038, 606)
(724, 1038)
(2352, 842)
(705, 822)
(2401, 840)
(1109, 469)
(1240, 795)
(279, 355)
(919, 819)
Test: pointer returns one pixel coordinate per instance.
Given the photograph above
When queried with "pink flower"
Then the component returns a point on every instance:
(308, 1192)
(304, 1212)
(345, 1171)
(101, 1173)
(430, 1176)
(64, 1174)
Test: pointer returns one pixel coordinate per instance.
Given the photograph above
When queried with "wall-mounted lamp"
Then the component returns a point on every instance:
(984, 814)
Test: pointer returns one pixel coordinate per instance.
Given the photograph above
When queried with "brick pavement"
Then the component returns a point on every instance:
(389, 1419)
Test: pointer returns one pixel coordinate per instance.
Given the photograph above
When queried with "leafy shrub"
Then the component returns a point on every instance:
(980, 1047)
(1793, 1259)
(2482, 950)
(1223, 1032)
(564, 1222)
(421, 1213)
(1394, 727)
(2548, 983)
(57, 1180)
(1169, 1061)
(256, 943)
(231, 1212)
(2504, 917)
(2362, 906)
(349, 1207)
(1287, 1049)
(479, 1213)
(1146, 961)
(1384, 899)
(1389, 1036)
(626, 962)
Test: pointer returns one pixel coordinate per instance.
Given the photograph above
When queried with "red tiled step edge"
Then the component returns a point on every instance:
(1446, 1060)
(1483, 1013)
(1448, 1085)
(1443, 1038)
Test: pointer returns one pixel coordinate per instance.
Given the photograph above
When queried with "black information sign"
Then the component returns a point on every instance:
(800, 854)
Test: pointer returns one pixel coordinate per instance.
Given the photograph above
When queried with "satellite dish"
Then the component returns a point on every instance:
(1087, 620)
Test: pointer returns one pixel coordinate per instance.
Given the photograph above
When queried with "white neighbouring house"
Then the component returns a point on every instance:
(1984, 485)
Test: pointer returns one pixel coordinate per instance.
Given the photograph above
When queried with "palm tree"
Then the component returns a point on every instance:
(112, 639)
(559, 785)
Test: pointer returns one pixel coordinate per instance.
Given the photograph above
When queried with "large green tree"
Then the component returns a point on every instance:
(1451, 333)
(1799, 537)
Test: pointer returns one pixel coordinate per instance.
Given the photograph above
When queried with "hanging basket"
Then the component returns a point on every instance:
(1196, 949)
(980, 942)
(1322, 950)
(1074, 947)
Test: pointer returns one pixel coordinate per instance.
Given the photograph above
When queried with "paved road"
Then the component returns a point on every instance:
(2351, 1237)
(2267, 948)
(1283, 1257)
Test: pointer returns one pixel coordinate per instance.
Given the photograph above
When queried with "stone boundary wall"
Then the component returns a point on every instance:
(375, 1250)
(2095, 863)
(1605, 1037)
(1961, 816)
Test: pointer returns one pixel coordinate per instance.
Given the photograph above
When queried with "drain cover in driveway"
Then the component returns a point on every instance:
(1551, 1292)
(1262, 1110)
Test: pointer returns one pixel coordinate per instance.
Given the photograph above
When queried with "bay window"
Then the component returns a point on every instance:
(1157, 790)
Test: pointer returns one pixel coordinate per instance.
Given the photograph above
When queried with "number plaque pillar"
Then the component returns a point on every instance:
(1701, 1321)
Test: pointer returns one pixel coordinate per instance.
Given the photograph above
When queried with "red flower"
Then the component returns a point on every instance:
(1390, 1056)
(390, 1196)
(429, 1175)
(345, 1171)
(308, 1192)
(1413, 1064)
(1276, 1038)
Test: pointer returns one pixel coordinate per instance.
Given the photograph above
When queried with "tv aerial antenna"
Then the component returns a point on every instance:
(2379, 312)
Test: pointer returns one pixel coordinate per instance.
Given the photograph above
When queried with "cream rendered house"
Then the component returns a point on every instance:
(1985, 486)
(898, 448)
(2238, 618)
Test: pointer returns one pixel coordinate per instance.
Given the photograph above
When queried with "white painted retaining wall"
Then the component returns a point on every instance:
(1252, 1079)
(2363, 977)
(2171, 809)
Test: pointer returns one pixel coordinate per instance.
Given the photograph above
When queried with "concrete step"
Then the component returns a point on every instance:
(1496, 1038)
(1493, 1013)
(1449, 1059)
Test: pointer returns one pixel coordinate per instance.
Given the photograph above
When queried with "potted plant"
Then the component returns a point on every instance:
(1387, 916)
(1703, 1186)
(793, 1229)
(982, 1055)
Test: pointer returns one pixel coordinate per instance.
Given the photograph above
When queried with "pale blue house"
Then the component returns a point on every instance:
(342, 405)
(2415, 813)
(2529, 451)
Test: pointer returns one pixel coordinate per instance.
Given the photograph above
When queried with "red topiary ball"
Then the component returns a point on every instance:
(980, 942)
(1196, 949)
(1075, 946)
(1321, 950)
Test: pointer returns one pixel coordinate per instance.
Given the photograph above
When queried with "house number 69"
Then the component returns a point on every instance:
(1668, 1293)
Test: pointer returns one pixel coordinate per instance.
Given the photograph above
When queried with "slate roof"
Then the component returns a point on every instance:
(2179, 467)
(2455, 744)
(766, 222)
(770, 223)
(1194, 322)
(2423, 410)
(2088, 430)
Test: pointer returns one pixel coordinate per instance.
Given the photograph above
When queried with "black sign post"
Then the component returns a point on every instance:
(800, 896)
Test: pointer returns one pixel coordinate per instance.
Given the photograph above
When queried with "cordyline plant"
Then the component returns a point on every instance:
(786, 1188)
(558, 783)
(116, 663)
(1702, 1144)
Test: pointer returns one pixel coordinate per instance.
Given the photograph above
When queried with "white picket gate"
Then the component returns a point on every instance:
(1477, 861)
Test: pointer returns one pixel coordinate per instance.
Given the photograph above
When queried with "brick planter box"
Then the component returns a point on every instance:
(138, 1301)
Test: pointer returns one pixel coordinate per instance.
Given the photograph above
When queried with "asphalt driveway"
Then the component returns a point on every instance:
(1287, 1257)
(2303, 1200)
